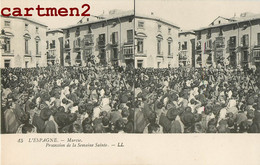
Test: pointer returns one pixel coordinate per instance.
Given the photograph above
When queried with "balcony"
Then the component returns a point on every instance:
(232, 46)
(220, 43)
(128, 52)
(7, 53)
(208, 48)
(160, 54)
(101, 43)
(114, 43)
(170, 55)
(88, 40)
(129, 41)
(67, 46)
(256, 55)
(198, 48)
(28, 54)
(38, 54)
(141, 54)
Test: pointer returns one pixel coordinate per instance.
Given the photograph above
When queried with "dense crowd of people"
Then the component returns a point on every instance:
(97, 99)
(183, 100)
(55, 99)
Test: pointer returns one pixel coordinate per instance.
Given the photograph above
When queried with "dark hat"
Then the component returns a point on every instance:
(187, 118)
(165, 123)
(172, 114)
(61, 118)
(159, 105)
(250, 101)
(129, 127)
(45, 113)
(124, 99)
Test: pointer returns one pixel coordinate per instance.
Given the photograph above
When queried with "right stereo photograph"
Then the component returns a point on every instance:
(197, 67)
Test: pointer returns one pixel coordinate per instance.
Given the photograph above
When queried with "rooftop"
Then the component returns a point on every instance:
(244, 17)
(114, 14)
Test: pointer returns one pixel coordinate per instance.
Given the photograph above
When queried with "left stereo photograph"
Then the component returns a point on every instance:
(67, 74)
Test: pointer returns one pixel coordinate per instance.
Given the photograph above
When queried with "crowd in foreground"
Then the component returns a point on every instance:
(58, 99)
(212, 100)
(97, 99)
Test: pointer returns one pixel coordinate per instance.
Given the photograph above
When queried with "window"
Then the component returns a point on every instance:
(77, 32)
(184, 45)
(258, 38)
(102, 39)
(26, 26)
(7, 45)
(37, 47)
(208, 44)
(52, 44)
(159, 44)
(199, 36)
(115, 53)
(220, 31)
(67, 43)
(7, 23)
(77, 43)
(245, 56)
(139, 63)
(78, 58)
(169, 30)
(88, 52)
(140, 24)
(179, 45)
(68, 33)
(26, 64)
(37, 29)
(158, 64)
(209, 33)
(47, 44)
(140, 46)
(169, 48)
(129, 36)
(26, 46)
(219, 22)
(159, 28)
(232, 42)
(115, 38)
(7, 63)
(245, 40)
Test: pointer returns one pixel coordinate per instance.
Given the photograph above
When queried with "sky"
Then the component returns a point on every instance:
(186, 14)
(196, 13)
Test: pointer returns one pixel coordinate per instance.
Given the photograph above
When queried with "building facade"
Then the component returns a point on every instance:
(186, 48)
(108, 40)
(232, 42)
(54, 47)
(156, 42)
(23, 43)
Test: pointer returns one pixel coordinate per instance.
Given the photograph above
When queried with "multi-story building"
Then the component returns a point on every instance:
(122, 38)
(156, 42)
(23, 43)
(186, 55)
(106, 38)
(54, 46)
(234, 42)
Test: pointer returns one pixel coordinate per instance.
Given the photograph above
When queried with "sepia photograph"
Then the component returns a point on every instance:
(130, 81)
